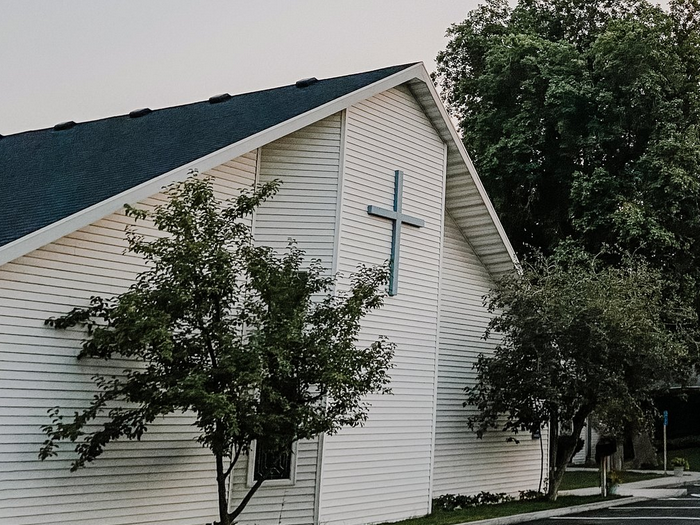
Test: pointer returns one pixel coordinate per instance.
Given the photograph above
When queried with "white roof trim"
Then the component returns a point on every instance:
(78, 220)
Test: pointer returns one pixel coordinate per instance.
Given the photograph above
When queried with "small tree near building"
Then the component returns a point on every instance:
(578, 336)
(256, 346)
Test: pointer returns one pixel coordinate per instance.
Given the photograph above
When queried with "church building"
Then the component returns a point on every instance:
(371, 170)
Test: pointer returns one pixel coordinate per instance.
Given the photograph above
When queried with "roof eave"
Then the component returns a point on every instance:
(417, 72)
(58, 229)
(443, 124)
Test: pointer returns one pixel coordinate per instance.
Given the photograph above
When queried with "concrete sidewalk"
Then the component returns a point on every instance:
(553, 513)
(668, 486)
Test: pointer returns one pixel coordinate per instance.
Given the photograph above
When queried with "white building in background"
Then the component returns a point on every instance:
(336, 145)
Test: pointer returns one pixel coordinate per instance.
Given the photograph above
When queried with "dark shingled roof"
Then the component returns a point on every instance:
(47, 175)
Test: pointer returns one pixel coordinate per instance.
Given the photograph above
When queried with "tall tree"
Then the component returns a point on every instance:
(256, 346)
(583, 120)
(577, 336)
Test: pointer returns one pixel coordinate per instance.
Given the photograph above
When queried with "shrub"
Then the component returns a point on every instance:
(526, 495)
(681, 442)
(680, 462)
(450, 502)
(613, 478)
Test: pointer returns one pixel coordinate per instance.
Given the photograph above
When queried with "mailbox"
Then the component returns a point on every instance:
(606, 446)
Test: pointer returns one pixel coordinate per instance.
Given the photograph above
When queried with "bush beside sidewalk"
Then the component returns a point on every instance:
(508, 510)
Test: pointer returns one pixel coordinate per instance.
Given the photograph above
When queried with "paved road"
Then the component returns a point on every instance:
(670, 511)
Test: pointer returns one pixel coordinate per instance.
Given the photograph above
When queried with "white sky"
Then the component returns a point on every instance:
(87, 59)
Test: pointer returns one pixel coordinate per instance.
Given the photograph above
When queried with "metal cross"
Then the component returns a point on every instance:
(398, 217)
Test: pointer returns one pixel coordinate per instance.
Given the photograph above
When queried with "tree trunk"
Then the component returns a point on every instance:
(552, 485)
(221, 486)
(644, 451)
(561, 449)
(245, 501)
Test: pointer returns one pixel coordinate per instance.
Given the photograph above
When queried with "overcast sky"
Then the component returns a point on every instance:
(87, 59)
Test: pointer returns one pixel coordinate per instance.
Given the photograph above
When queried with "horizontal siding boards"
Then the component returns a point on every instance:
(381, 471)
(304, 209)
(167, 478)
(467, 208)
(590, 438)
(307, 164)
(463, 463)
(288, 504)
(462, 193)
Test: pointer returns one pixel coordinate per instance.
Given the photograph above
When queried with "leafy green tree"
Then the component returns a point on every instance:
(254, 345)
(575, 336)
(582, 117)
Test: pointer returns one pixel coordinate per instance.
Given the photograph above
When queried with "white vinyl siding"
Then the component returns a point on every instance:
(465, 196)
(331, 171)
(463, 463)
(381, 471)
(307, 164)
(167, 478)
(590, 439)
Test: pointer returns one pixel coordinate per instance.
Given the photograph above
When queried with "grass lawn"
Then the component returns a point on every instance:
(482, 512)
(691, 454)
(578, 479)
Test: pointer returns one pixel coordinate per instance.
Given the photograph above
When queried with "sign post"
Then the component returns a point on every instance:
(605, 448)
(604, 478)
(665, 425)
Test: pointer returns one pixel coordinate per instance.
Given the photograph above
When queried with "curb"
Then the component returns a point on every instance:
(563, 511)
(640, 488)
(655, 493)
(678, 483)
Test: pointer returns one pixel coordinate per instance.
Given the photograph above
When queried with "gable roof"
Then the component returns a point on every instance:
(55, 181)
(49, 174)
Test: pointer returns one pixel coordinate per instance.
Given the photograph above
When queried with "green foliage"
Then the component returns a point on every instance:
(576, 335)
(450, 502)
(509, 508)
(527, 495)
(582, 118)
(613, 478)
(578, 479)
(693, 456)
(685, 442)
(255, 345)
(680, 462)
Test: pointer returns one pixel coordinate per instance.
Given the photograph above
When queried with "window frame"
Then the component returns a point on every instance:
(286, 482)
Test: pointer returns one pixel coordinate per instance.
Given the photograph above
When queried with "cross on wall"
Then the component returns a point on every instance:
(398, 218)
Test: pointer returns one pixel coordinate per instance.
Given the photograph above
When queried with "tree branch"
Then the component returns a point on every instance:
(233, 462)
(233, 515)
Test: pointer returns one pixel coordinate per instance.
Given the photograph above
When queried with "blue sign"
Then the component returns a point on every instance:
(665, 418)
